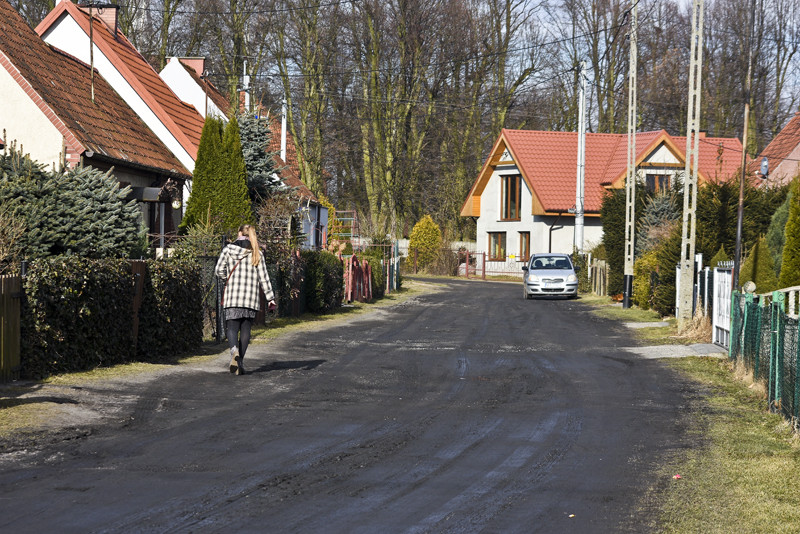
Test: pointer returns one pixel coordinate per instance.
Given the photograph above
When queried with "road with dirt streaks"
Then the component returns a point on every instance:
(463, 410)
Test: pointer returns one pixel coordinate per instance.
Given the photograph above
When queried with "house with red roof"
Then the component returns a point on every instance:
(95, 39)
(782, 155)
(187, 78)
(62, 114)
(524, 196)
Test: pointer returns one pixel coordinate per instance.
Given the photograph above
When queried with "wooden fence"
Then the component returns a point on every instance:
(10, 304)
(598, 277)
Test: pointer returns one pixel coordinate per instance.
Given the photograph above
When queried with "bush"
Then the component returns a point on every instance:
(78, 314)
(668, 256)
(324, 281)
(645, 276)
(374, 256)
(426, 240)
(790, 262)
(445, 263)
(775, 234)
(81, 211)
(758, 268)
(171, 316)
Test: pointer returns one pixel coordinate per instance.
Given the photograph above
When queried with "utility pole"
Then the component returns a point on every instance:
(689, 229)
(283, 129)
(246, 88)
(737, 255)
(630, 183)
(579, 186)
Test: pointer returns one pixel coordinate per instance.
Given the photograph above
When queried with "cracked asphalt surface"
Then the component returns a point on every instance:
(467, 409)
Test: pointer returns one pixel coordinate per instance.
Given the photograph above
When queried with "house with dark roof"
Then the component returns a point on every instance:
(525, 194)
(61, 113)
(96, 40)
(782, 155)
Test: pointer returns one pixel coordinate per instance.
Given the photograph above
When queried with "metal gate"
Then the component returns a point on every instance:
(721, 308)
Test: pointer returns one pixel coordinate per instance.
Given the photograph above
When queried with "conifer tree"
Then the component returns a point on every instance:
(262, 172)
(719, 257)
(80, 211)
(204, 178)
(790, 263)
(775, 234)
(426, 239)
(758, 267)
(232, 197)
(661, 212)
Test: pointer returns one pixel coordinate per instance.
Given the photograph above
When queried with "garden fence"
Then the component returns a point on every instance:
(10, 304)
(764, 337)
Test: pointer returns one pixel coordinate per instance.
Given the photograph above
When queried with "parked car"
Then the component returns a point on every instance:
(549, 274)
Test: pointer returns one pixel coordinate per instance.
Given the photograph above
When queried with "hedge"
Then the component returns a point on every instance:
(324, 281)
(78, 314)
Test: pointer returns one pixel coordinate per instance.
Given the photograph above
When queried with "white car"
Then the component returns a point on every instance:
(549, 274)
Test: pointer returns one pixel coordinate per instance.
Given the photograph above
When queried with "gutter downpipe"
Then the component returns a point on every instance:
(553, 227)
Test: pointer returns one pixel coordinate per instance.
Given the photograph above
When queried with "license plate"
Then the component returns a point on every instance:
(549, 286)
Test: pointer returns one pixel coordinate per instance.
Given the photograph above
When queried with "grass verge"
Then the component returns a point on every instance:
(744, 480)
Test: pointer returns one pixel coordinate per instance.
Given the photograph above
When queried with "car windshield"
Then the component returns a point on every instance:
(550, 262)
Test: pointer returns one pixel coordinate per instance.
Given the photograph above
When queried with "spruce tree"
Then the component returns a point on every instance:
(758, 267)
(661, 212)
(204, 178)
(80, 211)
(790, 263)
(262, 172)
(232, 196)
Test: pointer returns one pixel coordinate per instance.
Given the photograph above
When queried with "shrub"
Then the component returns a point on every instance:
(719, 257)
(668, 256)
(80, 211)
(324, 281)
(426, 240)
(445, 263)
(775, 234)
(78, 314)
(645, 276)
(790, 262)
(758, 267)
(374, 256)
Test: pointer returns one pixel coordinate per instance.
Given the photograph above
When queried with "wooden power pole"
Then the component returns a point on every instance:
(689, 229)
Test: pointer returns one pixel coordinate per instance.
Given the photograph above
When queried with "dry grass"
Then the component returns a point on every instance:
(698, 330)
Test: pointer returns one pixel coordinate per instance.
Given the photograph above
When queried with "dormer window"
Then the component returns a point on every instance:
(510, 193)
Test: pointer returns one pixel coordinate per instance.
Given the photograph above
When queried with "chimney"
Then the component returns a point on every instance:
(108, 13)
(197, 64)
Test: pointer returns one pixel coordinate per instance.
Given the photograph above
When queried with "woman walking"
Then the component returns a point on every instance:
(244, 270)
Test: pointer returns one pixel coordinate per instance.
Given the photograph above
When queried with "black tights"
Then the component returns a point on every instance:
(239, 331)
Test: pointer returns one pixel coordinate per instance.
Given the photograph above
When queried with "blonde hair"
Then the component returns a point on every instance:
(250, 232)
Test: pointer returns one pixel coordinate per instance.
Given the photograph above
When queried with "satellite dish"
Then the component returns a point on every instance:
(764, 168)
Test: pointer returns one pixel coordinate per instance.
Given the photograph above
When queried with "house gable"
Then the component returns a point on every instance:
(176, 123)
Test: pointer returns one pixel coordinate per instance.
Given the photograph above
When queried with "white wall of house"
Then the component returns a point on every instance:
(547, 233)
(26, 124)
(182, 84)
(68, 36)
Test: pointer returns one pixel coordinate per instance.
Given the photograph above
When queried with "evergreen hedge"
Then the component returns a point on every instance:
(78, 314)
(758, 268)
(324, 281)
(790, 262)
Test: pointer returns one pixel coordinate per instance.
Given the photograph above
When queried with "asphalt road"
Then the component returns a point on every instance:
(465, 410)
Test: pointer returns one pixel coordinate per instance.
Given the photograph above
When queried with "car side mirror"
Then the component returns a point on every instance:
(524, 267)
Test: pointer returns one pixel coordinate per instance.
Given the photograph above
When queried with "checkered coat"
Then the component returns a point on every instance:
(241, 289)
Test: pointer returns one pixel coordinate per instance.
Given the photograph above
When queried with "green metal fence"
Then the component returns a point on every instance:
(764, 337)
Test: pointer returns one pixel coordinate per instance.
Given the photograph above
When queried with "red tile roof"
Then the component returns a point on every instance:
(290, 169)
(181, 119)
(548, 163)
(61, 86)
(783, 166)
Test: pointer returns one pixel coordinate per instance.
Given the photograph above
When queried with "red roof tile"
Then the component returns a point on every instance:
(108, 126)
(181, 119)
(548, 162)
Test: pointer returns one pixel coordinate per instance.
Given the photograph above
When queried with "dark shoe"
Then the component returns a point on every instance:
(240, 368)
